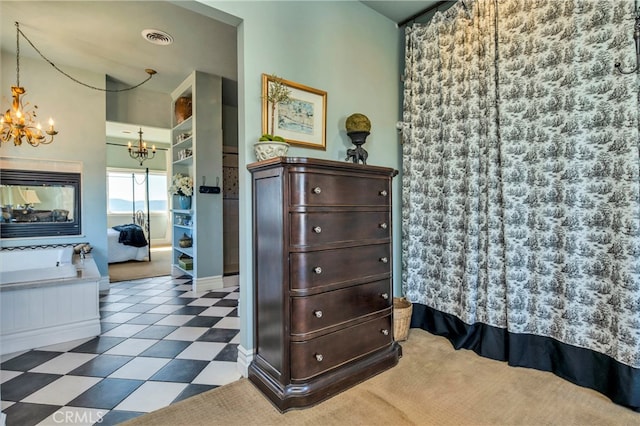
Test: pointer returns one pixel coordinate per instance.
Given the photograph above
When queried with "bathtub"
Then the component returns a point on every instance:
(47, 296)
(28, 265)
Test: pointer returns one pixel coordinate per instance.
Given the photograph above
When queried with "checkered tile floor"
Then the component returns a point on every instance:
(160, 343)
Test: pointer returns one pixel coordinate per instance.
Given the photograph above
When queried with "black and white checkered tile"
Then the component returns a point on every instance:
(160, 343)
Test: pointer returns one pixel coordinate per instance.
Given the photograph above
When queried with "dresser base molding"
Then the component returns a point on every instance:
(326, 385)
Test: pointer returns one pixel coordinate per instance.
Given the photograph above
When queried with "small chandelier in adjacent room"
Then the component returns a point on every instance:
(141, 152)
(18, 122)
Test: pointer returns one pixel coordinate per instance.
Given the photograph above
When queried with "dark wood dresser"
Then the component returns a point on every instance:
(322, 276)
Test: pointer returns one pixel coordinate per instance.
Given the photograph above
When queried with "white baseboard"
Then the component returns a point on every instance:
(207, 283)
(231, 281)
(245, 356)
(104, 283)
(45, 336)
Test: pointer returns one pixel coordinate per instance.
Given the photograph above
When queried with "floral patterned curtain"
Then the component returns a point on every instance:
(521, 192)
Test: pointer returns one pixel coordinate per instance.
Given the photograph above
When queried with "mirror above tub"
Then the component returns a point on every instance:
(38, 203)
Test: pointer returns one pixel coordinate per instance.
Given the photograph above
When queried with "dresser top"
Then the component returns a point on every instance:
(319, 163)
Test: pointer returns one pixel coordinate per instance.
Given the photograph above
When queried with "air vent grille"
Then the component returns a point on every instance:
(157, 37)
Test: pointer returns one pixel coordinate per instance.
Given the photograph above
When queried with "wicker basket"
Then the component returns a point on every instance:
(402, 309)
(186, 241)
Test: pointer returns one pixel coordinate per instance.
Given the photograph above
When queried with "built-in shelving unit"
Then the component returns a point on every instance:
(196, 151)
(182, 227)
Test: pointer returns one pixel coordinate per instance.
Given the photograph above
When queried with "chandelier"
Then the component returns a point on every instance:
(18, 122)
(141, 152)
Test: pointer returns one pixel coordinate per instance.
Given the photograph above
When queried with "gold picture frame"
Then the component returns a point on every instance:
(303, 121)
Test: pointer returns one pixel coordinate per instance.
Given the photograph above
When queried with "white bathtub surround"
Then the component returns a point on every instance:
(20, 266)
(42, 312)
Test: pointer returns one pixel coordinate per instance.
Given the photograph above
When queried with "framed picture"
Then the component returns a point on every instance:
(301, 121)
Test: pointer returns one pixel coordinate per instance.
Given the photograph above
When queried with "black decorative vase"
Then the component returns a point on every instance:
(358, 153)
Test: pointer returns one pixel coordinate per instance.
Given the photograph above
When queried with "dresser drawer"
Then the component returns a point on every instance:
(316, 356)
(309, 229)
(317, 189)
(323, 310)
(320, 268)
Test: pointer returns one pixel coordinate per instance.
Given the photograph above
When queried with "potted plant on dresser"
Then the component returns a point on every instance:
(271, 145)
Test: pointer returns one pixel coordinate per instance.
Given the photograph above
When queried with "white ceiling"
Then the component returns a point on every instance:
(400, 10)
(130, 132)
(105, 37)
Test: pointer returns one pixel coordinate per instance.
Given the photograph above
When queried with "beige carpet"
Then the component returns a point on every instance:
(432, 385)
(132, 270)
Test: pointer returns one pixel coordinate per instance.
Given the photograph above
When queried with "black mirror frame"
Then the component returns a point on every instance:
(43, 229)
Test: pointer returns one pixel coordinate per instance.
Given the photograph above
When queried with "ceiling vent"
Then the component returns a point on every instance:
(157, 37)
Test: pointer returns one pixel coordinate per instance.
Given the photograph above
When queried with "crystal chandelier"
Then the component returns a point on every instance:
(141, 152)
(18, 122)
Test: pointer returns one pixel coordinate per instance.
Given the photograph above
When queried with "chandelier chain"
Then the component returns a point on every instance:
(18, 55)
(149, 71)
(17, 122)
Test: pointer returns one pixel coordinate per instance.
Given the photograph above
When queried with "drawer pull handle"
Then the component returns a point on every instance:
(383, 225)
(317, 229)
(319, 357)
(384, 260)
(385, 296)
(317, 270)
(318, 314)
(384, 331)
(383, 192)
(317, 190)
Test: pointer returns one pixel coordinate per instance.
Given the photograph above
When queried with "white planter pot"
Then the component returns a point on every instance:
(270, 149)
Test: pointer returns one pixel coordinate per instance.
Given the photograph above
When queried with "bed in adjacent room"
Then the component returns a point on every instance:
(129, 241)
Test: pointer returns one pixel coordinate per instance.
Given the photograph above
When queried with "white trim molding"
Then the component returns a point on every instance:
(245, 356)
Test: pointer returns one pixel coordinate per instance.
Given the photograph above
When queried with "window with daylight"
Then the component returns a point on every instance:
(127, 191)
